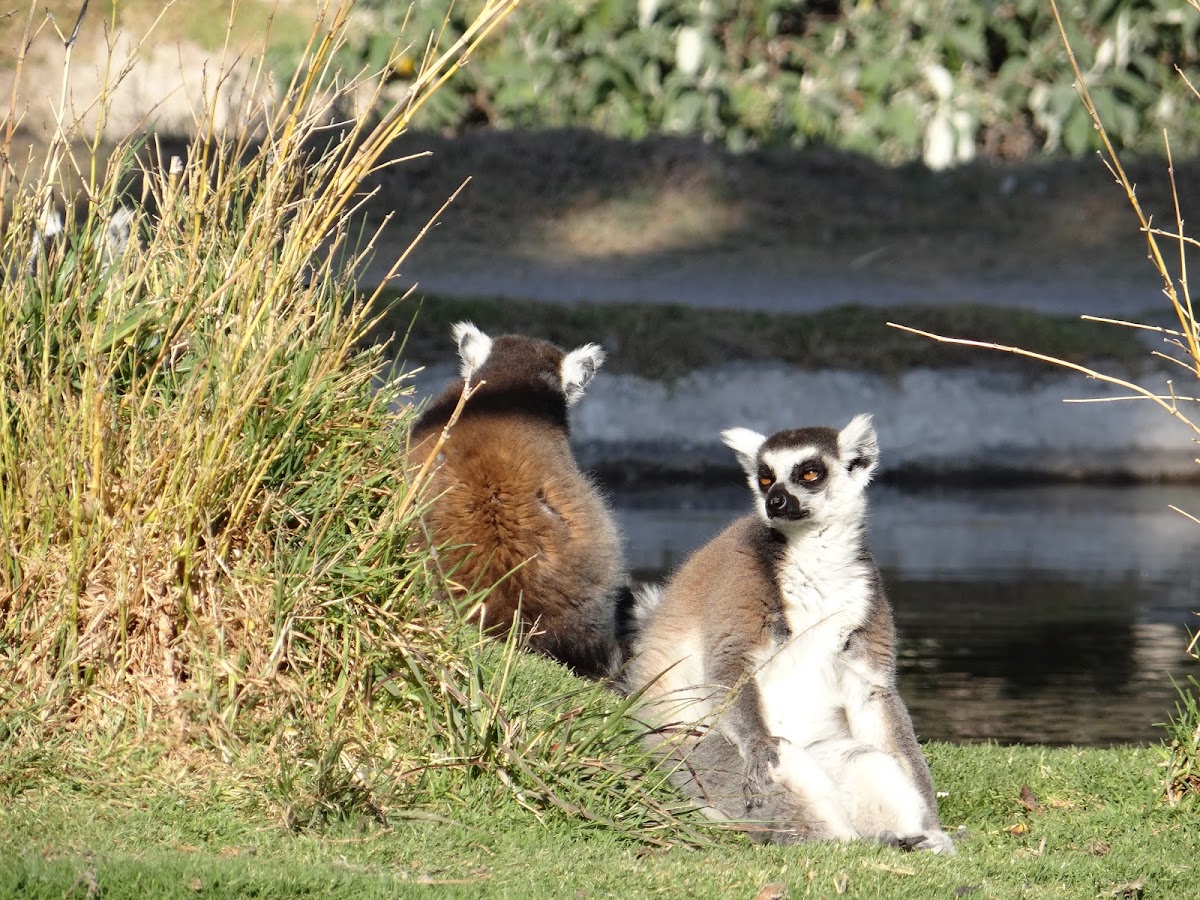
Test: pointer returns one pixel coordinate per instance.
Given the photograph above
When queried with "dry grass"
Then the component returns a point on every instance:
(176, 408)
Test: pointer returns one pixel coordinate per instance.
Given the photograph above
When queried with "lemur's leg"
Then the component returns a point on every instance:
(879, 795)
(740, 717)
(807, 777)
(799, 804)
(877, 716)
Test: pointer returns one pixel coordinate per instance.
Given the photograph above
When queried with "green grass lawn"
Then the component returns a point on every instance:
(669, 341)
(1097, 828)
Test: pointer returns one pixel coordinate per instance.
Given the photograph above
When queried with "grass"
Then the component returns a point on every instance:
(210, 571)
(1092, 824)
(668, 341)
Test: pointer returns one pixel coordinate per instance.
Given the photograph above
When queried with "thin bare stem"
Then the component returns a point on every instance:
(418, 480)
(1164, 397)
(1183, 513)
(400, 260)
(1127, 324)
(1084, 370)
(1190, 324)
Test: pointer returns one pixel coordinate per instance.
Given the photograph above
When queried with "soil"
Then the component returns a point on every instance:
(568, 215)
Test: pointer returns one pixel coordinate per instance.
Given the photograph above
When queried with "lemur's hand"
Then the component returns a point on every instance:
(762, 756)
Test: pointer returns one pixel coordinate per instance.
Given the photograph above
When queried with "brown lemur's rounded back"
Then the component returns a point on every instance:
(509, 508)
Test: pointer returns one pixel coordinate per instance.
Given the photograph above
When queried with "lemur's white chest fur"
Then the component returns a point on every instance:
(807, 684)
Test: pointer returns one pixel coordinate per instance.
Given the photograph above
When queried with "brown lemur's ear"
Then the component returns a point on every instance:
(578, 368)
(473, 348)
(858, 447)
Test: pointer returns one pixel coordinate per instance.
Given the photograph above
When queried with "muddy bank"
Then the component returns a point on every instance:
(943, 425)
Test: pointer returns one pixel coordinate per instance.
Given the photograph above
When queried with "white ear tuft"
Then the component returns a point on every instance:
(473, 348)
(52, 222)
(858, 446)
(578, 368)
(744, 443)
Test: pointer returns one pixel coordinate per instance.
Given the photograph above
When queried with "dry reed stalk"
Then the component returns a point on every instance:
(145, 523)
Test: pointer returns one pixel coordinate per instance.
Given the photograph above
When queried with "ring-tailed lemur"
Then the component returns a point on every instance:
(510, 506)
(771, 652)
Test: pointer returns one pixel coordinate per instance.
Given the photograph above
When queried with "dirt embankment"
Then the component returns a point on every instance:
(566, 216)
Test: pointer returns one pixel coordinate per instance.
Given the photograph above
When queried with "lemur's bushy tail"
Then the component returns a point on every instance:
(644, 600)
(634, 605)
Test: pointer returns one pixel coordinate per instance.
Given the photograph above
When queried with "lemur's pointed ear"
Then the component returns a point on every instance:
(744, 443)
(858, 447)
(578, 368)
(473, 348)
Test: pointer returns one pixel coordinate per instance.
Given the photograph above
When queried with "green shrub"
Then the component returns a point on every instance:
(934, 79)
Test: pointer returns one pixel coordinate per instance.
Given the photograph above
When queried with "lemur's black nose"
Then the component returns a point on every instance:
(782, 505)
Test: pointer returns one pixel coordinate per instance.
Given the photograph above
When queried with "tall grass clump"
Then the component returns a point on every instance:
(1169, 250)
(206, 521)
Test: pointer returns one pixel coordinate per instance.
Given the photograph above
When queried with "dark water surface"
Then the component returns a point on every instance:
(1052, 614)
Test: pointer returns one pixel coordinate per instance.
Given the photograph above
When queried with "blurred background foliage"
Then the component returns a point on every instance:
(939, 80)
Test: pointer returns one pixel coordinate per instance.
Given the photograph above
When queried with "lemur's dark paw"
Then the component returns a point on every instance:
(935, 841)
(761, 759)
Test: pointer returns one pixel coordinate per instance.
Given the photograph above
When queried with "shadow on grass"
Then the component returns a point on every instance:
(573, 194)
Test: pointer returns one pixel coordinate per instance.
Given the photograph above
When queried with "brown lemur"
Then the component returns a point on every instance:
(509, 508)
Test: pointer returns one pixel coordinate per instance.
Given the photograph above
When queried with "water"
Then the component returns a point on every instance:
(1050, 614)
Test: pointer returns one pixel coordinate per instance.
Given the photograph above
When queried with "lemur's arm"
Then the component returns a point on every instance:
(875, 712)
(741, 721)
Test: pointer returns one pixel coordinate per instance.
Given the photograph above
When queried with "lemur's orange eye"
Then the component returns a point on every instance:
(811, 475)
(764, 481)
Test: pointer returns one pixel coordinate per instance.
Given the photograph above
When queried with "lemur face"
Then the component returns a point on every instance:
(808, 477)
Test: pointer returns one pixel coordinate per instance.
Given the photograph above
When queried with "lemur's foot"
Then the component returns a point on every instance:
(761, 758)
(932, 841)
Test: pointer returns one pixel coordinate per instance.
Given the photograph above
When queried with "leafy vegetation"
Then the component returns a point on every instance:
(898, 81)
(1183, 740)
